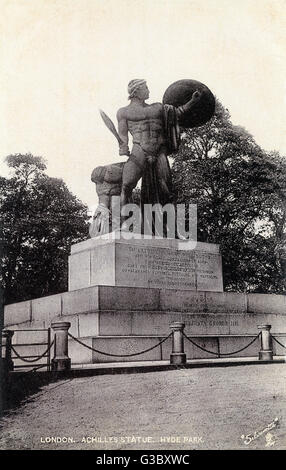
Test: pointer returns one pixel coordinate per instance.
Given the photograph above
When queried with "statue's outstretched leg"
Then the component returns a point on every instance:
(132, 172)
(164, 176)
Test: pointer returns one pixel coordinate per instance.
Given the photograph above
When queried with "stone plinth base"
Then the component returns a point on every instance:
(124, 320)
(156, 263)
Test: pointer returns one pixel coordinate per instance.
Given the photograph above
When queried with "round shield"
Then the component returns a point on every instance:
(180, 92)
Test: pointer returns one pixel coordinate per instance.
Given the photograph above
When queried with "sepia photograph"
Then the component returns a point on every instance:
(143, 228)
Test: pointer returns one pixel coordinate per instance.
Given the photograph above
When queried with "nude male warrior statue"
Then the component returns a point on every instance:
(155, 129)
(156, 134)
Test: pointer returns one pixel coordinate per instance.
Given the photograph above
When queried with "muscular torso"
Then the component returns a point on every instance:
(145, 124)
(149, 134)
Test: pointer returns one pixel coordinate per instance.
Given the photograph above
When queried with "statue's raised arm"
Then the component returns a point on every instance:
(194, 101)
(185, 109)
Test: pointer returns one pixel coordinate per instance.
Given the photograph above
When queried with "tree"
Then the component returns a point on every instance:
(240, 193)
(41, 219)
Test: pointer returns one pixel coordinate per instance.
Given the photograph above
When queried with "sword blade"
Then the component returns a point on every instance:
(109, 124)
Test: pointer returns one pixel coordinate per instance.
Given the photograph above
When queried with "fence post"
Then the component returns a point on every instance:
(7, 343)
(266, 351)
(178, 355)
(61, 360)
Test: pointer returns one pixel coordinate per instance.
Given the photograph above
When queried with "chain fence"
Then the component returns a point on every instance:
(278, 342)
(219, 353)
(215, 353)
(120, 355)
(22, 358)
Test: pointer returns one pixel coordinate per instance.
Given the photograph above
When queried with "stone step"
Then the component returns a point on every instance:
(135, 299)
(134, 323)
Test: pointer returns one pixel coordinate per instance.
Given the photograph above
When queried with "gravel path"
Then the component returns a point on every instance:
(208, 408)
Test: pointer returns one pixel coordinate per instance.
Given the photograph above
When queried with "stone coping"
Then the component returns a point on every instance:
(168, 243)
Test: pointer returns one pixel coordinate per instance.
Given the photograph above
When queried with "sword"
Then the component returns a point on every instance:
(107, 121)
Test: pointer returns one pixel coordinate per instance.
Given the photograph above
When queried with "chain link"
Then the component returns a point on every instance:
(31, 360)
(120, 355)
(276, 340)
(221, 354)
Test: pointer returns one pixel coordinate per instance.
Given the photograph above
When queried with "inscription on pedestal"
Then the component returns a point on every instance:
(208, 270)
(146, 263)
(165, 268)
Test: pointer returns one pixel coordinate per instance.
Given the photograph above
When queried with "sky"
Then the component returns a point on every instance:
(62, 60)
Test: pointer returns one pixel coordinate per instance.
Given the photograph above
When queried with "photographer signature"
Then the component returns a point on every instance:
(270, 440)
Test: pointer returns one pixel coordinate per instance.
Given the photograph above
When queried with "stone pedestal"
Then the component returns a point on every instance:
(114, 260)
(125, 294)
(124, 320)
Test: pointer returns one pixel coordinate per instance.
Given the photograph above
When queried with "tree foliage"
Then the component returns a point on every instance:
(40, 218)
(240, 193)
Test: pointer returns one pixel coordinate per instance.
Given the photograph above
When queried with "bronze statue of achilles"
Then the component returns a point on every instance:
(155, 130)
(156, 134)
